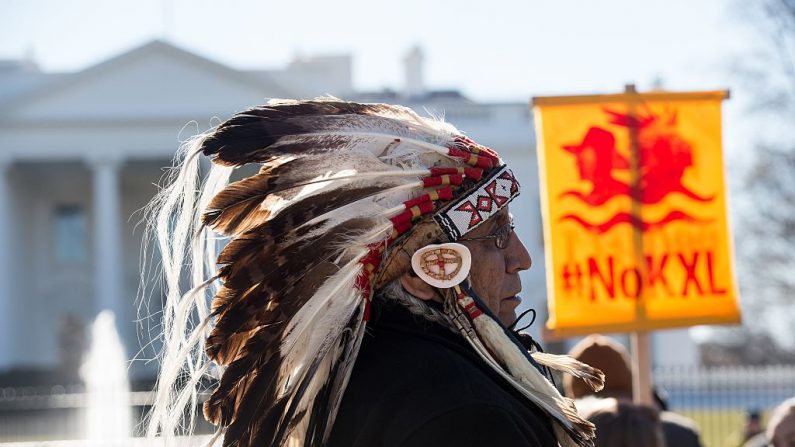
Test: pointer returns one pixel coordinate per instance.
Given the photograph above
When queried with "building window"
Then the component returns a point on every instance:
(70, 234)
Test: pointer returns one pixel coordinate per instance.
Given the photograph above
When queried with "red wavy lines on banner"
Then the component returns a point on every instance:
(650, 195)
(623, 217)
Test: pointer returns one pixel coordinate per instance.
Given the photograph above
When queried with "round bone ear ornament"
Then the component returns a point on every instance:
(442, 266)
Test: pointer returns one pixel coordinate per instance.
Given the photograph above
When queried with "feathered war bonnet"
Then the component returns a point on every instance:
(343, 188)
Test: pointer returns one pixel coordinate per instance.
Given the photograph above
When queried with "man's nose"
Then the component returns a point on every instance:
(518, 258)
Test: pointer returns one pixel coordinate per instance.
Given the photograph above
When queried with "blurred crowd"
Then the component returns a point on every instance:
(780, 430)
(622, 423)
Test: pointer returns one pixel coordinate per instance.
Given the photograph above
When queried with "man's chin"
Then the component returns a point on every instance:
(507, 314)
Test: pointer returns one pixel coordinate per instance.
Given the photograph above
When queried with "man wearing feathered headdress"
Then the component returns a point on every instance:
(364, 293)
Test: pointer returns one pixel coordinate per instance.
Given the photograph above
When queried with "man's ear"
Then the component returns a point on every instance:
(417, 287)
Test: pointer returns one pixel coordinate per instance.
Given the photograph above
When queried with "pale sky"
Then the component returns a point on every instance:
(491, 50)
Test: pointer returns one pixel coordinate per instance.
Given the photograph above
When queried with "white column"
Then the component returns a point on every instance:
(7, 307)
(107, 242)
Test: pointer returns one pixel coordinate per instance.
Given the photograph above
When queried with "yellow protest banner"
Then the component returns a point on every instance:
(634, 205)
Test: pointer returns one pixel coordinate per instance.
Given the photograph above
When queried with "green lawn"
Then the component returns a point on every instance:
(719, 427)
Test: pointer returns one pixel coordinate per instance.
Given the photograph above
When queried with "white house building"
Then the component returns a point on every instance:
(80, 154)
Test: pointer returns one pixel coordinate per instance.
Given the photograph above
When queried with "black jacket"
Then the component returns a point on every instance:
(417, 384)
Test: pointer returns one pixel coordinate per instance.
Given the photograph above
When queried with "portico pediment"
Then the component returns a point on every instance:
(157, 81)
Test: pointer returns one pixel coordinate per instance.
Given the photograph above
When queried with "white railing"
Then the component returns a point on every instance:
(36, 416)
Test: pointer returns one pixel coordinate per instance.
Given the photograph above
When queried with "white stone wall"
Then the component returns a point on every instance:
(44, 289)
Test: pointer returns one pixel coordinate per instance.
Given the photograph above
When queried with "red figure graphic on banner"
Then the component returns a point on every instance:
(663, 158)
(597, 158)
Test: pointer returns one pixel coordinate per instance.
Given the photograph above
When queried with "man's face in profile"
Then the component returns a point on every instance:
(495, 271)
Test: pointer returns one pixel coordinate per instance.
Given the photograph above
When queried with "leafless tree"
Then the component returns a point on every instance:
(766, 228)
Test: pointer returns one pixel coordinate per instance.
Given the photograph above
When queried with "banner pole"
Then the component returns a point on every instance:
(641, 351)
(641, 368)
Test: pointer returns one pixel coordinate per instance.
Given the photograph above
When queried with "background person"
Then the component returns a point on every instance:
(613, 360)
(781, 426)
(620, 423)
